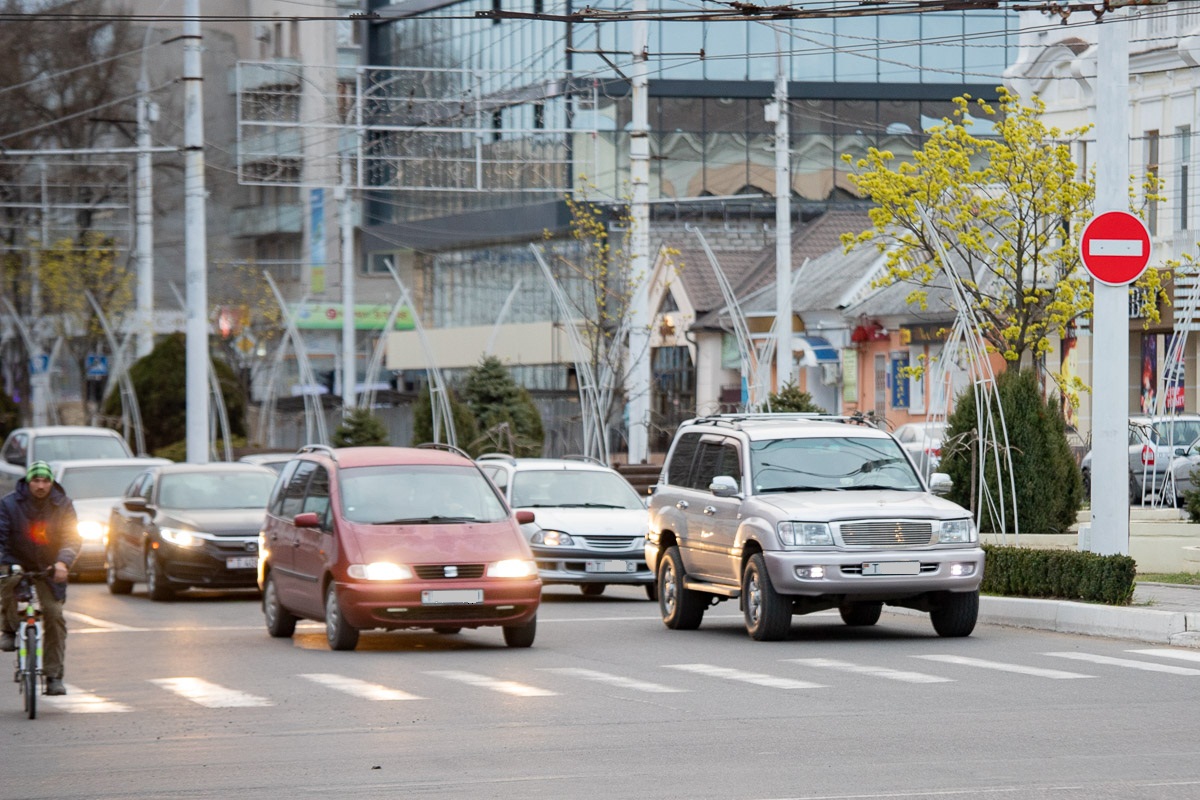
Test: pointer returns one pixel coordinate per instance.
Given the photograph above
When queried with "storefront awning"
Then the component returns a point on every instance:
(812, 351)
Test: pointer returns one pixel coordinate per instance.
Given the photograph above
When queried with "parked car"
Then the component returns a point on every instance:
(591, 523)
(1185, 462)
(791, 514)
(1153, 441)
(185, 525)
(394, 538)
(94, 486)
(48, 443)
(923, 442)
(272, 461)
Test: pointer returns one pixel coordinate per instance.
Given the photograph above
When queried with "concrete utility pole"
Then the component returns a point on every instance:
(349, 361)
(783, 225)
(637, 379)
(145, 222)
(1109, 529)
(195, 248)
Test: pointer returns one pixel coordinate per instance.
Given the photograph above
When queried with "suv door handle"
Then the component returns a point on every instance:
(682, 505)
(710, 510)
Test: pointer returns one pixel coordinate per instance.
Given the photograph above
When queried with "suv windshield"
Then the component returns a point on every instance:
(572, 489)
(409, 494)
(61, 448)
(82, 483)
(842, 463)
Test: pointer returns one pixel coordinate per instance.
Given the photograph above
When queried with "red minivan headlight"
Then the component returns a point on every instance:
(512, 568)
(380, 571)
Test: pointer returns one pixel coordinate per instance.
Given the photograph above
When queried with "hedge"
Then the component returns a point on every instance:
(1062, 574)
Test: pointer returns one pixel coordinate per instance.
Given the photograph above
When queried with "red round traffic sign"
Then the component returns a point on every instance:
(1115, 247)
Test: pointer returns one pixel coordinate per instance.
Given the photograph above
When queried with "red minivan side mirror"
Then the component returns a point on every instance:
(308, 519)
(524, 517)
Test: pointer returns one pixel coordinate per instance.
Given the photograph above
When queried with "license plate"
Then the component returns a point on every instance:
(892, 568)
(241, 562)
(609, 566)
(452, 597)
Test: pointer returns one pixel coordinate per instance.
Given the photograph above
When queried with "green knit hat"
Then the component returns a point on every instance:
(39, 469)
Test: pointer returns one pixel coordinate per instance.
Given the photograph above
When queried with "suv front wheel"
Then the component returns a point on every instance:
(956, 614)
(682, 609)
(768, 614)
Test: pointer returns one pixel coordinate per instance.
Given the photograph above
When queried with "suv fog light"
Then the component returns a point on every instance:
(959, 570)
(810, 572)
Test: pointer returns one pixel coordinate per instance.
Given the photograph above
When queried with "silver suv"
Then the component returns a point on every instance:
(796, 513)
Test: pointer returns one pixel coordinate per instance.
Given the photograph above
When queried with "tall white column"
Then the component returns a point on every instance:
(783, 226)
(1110, 322)
(145, 225)
(195, 247)
(637, 377)
(349, 360)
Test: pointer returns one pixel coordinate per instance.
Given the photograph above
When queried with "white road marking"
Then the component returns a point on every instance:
(77, 701)
(99, 624)
(363, 689)
(1020, 669)
(1165, 652)
(612, 680)
(1170, 669)
(210, 695)
(756, 678)
(863, 669)
(494, 684)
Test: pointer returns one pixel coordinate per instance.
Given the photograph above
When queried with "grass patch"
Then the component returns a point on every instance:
(1185, 578)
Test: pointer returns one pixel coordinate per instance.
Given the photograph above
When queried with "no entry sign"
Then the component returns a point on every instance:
(1115, 248)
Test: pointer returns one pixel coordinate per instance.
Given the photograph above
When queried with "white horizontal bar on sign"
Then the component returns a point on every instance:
(1115, 247)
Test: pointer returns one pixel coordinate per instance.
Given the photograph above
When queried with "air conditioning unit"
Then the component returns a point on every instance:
(831, 374)
(262, 31)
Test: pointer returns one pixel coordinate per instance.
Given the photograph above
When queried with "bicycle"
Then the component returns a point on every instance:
(30, 636)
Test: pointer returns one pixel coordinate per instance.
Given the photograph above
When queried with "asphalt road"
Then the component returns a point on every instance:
(192, 699)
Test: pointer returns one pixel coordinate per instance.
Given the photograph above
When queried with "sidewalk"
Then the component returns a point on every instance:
(1161, 613)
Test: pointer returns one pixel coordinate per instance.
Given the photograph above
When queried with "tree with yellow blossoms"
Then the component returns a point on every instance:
(1007, 207)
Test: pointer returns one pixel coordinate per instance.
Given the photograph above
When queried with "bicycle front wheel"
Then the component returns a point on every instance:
(30, 686)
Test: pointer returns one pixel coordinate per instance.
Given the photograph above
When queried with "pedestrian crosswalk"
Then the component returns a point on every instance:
(546, 683)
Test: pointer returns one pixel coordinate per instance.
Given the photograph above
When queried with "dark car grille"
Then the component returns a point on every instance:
(613, 543)
(432, 572)
(886, 533)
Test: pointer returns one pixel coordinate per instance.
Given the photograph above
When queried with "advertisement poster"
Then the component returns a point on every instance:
(1173, 374)
(900, 382)
(1149, 372)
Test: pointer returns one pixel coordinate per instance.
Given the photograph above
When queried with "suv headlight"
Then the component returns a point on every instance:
(552, 539)
(956, 531)
(805, 534)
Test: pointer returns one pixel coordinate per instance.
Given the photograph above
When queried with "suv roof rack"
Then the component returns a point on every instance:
(581, 457)
(733, 420)
(318, 448)
(509, 457)
(443, 446)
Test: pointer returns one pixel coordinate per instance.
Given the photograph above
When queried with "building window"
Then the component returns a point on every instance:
(1185, 159)
(497, 124)
(1152, 179)
(539, 116)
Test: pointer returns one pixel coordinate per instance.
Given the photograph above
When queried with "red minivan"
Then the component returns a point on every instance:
(394, 538)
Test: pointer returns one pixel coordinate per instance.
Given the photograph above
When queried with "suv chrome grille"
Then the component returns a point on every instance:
(429, 572)
(614, 543)
(886, 533)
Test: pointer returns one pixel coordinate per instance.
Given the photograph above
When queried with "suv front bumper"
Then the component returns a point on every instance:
(876, 573)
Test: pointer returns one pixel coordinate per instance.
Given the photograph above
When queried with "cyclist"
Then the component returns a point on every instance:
(38, 529)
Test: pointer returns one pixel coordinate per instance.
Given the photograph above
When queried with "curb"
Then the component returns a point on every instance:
(1179, 628)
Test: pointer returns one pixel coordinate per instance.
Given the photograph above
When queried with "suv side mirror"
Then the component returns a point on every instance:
(308, 519)
(940, 483)
(524, 517)
(723, 486)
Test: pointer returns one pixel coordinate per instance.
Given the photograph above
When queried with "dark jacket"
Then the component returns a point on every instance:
(35, 535)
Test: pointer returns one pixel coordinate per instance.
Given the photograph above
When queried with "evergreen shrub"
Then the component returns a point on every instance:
(360, 428)
(1061, 574)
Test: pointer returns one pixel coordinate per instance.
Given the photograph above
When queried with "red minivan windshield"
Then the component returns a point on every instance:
(418, 494)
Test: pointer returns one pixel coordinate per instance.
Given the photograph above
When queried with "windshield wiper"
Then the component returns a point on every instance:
(589, 505)
(865, 487)
(432, 520)
(800, 489)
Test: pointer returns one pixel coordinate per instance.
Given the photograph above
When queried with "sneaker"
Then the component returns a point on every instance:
(55, 686)
(8, 642)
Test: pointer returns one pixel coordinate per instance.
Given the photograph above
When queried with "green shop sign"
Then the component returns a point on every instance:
(328, 316)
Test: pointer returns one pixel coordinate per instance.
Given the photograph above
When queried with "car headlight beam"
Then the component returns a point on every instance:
(91, 530)
(552, 539)
(182, 538)
(380, 571)
(512, 568)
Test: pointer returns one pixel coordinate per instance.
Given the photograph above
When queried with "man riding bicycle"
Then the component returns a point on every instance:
(38, 530)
